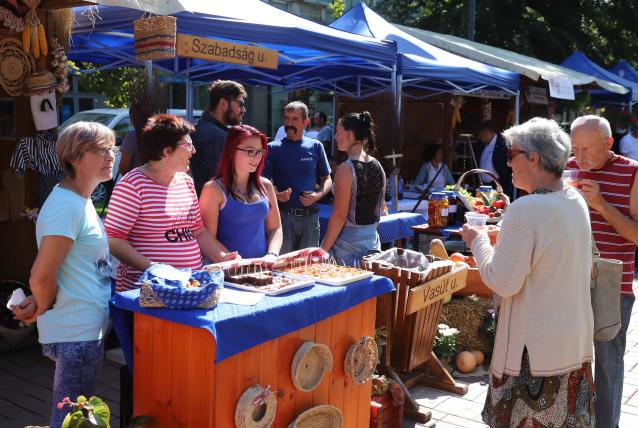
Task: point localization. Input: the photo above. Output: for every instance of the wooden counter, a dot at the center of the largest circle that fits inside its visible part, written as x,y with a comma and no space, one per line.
177,383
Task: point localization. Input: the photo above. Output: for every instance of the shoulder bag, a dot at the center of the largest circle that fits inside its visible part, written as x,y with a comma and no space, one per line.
606,276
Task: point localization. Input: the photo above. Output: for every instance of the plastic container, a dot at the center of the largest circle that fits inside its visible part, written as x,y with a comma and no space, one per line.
475,219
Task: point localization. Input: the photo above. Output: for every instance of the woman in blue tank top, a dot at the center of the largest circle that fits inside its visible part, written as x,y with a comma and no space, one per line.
359,189
239,206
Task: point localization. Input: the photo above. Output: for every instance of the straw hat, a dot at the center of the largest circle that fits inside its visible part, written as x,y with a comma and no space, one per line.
323,416
310,363
256,408
37,83
15,65
361,359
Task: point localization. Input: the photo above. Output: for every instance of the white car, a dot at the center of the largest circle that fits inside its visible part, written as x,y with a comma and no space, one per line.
118,120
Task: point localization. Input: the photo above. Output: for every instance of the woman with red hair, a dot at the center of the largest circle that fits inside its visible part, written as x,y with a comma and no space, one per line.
239,206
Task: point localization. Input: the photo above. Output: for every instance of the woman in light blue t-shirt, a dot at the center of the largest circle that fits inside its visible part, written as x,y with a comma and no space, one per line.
70,278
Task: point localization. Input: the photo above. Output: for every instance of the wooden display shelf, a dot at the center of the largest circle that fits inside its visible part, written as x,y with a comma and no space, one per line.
177,383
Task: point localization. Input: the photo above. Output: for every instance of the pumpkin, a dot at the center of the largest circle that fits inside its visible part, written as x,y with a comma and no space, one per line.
465,362
478,356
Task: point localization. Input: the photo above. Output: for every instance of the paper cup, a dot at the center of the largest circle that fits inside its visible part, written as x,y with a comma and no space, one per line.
475,219
571,177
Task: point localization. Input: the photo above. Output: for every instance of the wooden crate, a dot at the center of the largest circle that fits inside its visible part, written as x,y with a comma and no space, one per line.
383,412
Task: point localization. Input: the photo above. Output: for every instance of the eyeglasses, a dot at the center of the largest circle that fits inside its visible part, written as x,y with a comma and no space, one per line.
512,153
252,152
188,146
103,152
241,104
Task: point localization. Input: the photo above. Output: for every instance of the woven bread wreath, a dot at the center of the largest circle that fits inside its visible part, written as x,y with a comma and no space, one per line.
15,66
310,363
361,359
323,416
256,408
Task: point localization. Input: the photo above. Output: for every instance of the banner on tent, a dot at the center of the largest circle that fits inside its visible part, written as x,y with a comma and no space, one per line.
536,95
561,87
234,53
485,93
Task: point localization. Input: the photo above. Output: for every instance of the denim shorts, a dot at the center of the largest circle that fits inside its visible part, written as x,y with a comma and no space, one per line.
76,367
355,242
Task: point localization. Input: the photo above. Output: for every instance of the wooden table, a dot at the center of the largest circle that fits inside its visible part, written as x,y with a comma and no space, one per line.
177,383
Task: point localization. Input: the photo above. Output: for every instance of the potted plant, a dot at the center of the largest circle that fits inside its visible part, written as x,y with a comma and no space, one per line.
91,413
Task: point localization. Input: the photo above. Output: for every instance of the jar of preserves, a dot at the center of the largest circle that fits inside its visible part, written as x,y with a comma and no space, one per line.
444,209
437,210
452,208
486,190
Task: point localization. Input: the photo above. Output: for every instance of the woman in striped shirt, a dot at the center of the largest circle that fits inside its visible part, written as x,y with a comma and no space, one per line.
153,214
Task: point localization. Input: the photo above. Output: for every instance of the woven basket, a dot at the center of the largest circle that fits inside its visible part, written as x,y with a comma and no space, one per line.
15,66
499,191
155,38
150,299
323,416
256,408
361,360
310,363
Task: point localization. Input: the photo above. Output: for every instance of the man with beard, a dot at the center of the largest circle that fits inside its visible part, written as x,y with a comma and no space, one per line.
226,109
296,164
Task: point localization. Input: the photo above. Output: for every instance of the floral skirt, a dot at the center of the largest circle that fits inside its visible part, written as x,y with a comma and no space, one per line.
524,401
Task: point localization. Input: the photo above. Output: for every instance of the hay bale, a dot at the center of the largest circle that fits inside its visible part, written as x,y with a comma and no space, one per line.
467,315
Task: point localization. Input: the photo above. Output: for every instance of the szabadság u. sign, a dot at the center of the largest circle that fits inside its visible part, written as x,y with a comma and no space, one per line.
216,50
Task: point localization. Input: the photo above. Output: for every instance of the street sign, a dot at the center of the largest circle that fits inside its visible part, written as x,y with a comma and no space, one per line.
220,51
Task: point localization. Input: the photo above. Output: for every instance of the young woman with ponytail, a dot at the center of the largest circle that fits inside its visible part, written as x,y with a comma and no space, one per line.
359,189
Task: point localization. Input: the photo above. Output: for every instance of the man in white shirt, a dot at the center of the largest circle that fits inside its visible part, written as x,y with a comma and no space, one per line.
629,143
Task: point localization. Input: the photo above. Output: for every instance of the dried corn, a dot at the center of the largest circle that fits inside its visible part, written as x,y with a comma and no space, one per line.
44,49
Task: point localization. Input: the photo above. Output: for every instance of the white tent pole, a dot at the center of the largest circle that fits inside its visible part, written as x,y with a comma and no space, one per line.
149,74
333,148
517,108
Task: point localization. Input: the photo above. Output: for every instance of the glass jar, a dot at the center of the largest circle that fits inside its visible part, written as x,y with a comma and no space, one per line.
437,210
452,208
483,189
444,209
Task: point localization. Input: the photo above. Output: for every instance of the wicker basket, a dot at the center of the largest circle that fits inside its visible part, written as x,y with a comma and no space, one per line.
155,38
499,191
310,363
149,298
15,66
361,359
323,416
256,408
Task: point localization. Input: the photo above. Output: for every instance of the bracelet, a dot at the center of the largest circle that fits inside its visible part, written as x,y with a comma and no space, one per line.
272,254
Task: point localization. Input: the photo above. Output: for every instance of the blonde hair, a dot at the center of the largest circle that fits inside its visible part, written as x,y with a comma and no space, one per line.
79,138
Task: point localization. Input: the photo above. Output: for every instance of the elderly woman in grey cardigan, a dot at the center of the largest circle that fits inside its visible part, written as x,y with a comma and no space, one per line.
541,365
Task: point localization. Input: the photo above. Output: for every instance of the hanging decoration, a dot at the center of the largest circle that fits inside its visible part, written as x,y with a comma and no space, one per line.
10,20
34,38
457,102
486,111
40,87
58,63
15,65
155,38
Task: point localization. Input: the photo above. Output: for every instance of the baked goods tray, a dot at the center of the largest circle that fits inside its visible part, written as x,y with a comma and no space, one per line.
269,291
334,281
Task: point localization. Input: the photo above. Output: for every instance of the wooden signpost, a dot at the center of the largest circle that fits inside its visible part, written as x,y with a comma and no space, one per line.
220,51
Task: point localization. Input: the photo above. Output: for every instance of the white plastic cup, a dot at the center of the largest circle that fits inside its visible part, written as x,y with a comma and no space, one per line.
476,219
571,177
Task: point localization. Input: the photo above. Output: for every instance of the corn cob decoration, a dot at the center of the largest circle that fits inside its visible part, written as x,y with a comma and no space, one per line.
34,38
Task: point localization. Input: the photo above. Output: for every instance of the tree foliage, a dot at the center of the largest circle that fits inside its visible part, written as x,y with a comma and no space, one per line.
337,8
604,30
117,84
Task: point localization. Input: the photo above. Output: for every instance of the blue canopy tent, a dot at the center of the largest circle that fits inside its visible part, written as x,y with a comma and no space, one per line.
423,66
310,54
579,62
624,70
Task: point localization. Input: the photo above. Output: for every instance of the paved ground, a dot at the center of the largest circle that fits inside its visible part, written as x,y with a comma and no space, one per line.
26,378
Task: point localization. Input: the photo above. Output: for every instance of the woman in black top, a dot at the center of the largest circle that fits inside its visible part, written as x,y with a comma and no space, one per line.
359,189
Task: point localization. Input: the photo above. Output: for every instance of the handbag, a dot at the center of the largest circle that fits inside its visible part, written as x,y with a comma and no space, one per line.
606,276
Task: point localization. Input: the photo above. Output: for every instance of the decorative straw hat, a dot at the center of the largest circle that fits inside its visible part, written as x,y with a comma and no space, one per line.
311,362
39,82
361,359
15,65
323,416
256,408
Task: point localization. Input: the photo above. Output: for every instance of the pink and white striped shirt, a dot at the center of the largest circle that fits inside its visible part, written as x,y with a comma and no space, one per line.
158,221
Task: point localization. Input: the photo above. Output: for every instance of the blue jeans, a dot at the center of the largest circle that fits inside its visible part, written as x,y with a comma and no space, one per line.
76,368
299,232
609,370
355,242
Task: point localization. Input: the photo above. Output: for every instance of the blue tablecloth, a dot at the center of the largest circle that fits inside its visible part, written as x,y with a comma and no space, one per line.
394,226
237,328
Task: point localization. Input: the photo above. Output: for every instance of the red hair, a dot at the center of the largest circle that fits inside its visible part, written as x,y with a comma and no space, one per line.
226,170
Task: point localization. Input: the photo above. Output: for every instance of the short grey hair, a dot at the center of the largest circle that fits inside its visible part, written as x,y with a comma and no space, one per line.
545,137
78,139
595,121
298,106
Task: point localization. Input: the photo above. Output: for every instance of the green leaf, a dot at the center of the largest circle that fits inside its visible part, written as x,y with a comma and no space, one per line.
73,420
102,413
82,399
